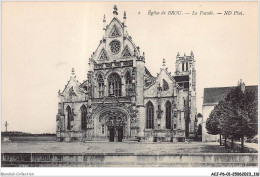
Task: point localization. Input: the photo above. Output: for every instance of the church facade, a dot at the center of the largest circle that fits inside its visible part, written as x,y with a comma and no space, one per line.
122,101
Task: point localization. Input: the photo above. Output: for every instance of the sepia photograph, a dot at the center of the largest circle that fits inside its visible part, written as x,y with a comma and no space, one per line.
129,84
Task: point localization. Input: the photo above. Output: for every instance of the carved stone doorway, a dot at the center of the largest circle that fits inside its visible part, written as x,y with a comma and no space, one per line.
116,125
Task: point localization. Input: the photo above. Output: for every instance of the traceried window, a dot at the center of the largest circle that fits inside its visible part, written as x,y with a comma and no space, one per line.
103,55
126,52
115,31
165,85
168,115
69,117
128,82
83,110
149,115
115,47
114,84
100,81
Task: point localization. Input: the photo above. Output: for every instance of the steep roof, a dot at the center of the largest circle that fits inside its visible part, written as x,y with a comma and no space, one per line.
147,72
216,94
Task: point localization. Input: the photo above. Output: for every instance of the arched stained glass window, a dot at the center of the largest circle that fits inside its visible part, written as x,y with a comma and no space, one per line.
165,85
168,115
149,115
115,31
69,117
103,55
114,82
100,81
128,82
83,111
126,52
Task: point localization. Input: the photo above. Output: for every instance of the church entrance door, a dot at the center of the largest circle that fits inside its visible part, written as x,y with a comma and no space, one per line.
116,123
111,134
120,134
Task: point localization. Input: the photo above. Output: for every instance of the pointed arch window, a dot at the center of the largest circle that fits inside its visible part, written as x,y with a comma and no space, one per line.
126,52
103,55
114,82
149,115
165,85
100,81
69,117
168,115
83,111
128,82
115,32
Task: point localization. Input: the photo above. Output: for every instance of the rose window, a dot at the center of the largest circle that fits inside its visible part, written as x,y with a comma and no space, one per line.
115,47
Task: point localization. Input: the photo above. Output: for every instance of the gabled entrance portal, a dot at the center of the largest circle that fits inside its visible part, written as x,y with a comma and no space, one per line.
114,125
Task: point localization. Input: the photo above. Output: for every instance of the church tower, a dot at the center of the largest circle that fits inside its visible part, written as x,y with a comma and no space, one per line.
185,76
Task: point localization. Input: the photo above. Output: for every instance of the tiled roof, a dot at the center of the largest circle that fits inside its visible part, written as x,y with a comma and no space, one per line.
216,94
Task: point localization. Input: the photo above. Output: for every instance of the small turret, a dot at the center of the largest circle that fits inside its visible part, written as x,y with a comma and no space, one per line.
163,65
124,18
115,11
191,54
177,56
104,25
73,73
104,19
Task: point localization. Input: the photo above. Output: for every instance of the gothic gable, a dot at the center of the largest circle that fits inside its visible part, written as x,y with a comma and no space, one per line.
72,91
114,29
163,82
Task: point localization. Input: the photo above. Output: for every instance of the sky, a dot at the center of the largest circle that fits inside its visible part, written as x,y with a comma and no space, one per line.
42,41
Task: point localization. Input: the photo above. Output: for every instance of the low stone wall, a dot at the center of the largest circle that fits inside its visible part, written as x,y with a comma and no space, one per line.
129,160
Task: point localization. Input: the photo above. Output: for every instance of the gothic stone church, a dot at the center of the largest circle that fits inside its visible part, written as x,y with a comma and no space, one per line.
122,101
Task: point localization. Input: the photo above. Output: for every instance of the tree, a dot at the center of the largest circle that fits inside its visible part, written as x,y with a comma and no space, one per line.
226,121
243,119
235,117
216,123
212,123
